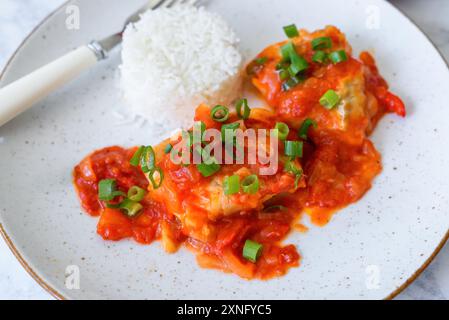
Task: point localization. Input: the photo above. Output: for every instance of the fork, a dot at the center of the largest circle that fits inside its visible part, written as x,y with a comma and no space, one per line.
20,95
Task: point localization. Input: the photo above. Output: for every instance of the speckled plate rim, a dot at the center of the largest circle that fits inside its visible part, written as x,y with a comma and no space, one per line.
59,296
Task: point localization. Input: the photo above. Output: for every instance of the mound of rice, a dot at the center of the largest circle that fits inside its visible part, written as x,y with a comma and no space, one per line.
175,59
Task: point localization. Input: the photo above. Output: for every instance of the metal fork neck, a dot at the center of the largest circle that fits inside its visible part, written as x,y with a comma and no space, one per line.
103,47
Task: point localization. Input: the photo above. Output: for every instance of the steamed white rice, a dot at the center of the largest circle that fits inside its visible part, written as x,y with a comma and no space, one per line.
175,59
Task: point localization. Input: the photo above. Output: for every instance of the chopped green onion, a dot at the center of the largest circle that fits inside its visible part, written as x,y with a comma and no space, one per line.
281,66
330,99
293,149
130,208
113,206
282,130
252,250
231,185
291,31
251,184
243,103
320,57
208,170
305,128
291,72
290,167
168,148
135,160
107,190
275,208
298,65
297,179
220,114
148,159
321,43
231,126
151,176
136,194
287,50
261,61
338,56
291,83
284,74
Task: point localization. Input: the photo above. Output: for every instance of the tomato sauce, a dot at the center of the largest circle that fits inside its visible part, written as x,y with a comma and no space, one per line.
222,253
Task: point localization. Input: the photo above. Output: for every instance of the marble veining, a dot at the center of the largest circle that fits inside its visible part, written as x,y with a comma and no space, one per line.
18,18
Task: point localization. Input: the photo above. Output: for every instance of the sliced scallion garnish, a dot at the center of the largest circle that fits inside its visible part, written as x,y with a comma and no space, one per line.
320,57
282,130
284,75
250,184
321,43
107,190
168,148
291,83
330,99
291,31
338,56
298,65
231,185
245,113
287,50
130,208
293,149
220,113
148,159
135,160
305,128
281,66
156,176
208,169
136,194
252,250
290,167
261,61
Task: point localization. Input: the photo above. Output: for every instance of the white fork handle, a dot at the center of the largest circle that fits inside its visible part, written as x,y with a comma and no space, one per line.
20,95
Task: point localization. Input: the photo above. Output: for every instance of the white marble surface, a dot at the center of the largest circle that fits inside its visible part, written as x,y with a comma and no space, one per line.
17,19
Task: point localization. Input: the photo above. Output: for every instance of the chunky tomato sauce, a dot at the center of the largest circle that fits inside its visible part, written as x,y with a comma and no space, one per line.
339,165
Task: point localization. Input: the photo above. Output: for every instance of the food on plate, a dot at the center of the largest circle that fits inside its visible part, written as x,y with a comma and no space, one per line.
355,96
174,59
345,97
235,215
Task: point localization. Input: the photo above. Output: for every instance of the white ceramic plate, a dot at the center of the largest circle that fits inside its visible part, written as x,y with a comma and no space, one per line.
369,250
